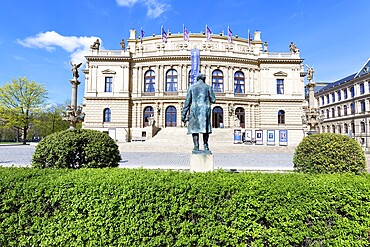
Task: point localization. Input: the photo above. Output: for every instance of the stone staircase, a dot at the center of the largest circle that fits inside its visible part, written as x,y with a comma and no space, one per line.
175,140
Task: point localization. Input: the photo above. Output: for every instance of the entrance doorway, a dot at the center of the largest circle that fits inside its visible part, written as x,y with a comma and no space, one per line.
240,114
171,116
217,117
148,112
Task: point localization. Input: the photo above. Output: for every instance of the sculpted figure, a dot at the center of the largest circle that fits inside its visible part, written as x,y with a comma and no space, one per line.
310,71
293,48
197,110
75,69
122,44
96,45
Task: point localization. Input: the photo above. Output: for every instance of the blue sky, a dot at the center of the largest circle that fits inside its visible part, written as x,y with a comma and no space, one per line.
38,38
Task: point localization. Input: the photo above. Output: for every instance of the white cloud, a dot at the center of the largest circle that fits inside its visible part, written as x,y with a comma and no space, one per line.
77,46
154,7
126,3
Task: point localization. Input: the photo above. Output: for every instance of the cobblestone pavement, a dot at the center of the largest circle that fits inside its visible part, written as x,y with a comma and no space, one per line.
20,155
256,159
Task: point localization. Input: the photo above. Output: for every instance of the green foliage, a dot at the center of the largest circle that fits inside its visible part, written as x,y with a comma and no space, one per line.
81,148
49,121
329,153
20,102
121,207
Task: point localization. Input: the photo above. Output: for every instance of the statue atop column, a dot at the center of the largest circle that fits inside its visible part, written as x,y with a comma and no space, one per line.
75,69
122,43
310,71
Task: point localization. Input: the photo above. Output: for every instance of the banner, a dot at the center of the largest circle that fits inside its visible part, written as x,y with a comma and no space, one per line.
194,63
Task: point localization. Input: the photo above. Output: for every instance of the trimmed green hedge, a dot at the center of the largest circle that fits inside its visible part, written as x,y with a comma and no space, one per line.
120,207
79,148
329,153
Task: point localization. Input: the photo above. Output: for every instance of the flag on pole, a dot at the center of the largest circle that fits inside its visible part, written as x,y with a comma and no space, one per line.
141,35
249,38
186,34
230,35
208,33
164,36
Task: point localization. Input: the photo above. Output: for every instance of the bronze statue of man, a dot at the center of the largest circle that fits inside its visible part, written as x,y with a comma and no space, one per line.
197,110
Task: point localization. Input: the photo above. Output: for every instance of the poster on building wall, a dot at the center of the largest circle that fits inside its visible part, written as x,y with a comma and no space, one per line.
237,136
248,136
271,137
283,137
259,137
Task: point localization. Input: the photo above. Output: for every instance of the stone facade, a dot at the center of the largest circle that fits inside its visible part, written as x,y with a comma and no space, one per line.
265,90
344,106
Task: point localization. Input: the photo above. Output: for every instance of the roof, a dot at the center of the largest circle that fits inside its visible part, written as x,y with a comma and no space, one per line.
337,83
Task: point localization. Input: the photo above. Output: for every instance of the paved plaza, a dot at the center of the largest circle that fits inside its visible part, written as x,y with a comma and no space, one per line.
239,157
139,154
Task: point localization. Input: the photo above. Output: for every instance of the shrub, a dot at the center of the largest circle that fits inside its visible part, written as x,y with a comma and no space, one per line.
329,153
76,149
122,207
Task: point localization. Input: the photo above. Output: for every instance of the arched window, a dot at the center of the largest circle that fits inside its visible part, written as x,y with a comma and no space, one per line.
332,112
363,127
171,80
149,81
171,115
327,113
353,108
338,111
353,128
323,129
107,115
148,112
333,128
345,112
340,129
281,117
239,82
345,127
217,81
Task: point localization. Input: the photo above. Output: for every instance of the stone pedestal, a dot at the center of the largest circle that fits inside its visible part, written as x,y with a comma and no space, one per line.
201,162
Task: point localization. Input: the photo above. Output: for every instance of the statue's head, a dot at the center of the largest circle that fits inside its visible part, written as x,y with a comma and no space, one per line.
201,77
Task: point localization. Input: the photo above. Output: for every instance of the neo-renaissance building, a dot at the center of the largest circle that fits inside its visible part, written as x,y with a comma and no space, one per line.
144,83
344,106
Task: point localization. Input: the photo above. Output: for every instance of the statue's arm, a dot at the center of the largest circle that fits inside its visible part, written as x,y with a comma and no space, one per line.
212,96
186,107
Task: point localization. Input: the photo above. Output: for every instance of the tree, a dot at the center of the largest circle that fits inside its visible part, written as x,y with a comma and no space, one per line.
20,102
49,121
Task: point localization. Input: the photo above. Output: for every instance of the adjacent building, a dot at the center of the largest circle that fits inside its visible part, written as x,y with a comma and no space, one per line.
144,84
344,106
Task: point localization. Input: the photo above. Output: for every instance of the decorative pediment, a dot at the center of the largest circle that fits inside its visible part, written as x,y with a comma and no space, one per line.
108,71
281,73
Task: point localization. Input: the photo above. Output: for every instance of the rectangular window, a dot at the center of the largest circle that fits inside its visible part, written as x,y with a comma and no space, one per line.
362,88
322,100
108,84
363,106
352,92
339,95
327,99
345,93
333,97
280,86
